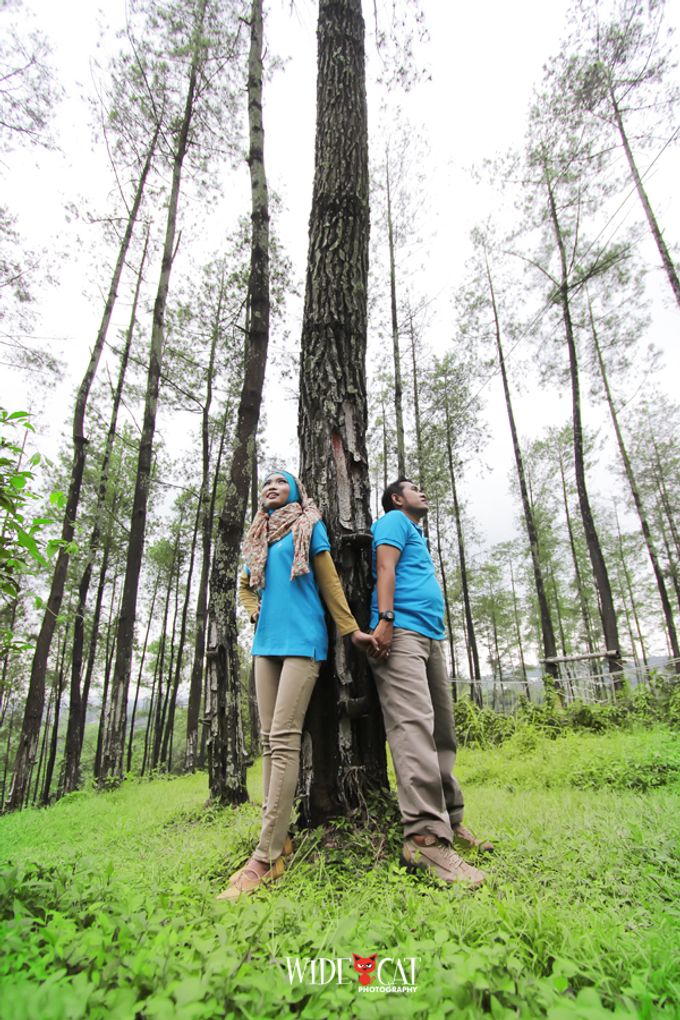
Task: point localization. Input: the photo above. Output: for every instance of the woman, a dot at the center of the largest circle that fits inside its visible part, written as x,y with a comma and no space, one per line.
288,571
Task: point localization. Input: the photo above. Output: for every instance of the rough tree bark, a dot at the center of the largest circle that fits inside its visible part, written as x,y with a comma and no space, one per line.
344,740
225,745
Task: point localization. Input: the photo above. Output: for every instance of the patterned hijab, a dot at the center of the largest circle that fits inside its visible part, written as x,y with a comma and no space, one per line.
298,515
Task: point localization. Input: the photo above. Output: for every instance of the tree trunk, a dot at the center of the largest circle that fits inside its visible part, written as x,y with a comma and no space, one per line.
108,659
169,727
637,499
609,625
445,588
666,259
580,587
475,673
547,632
225,745
344,741
518,632
398,392
59,690
70,772
114,741
28,740
629,588
141,672
207,506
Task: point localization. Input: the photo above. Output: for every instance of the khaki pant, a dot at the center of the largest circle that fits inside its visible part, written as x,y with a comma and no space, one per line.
284,687
415,695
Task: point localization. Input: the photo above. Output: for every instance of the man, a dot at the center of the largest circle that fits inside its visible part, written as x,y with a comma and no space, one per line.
407,618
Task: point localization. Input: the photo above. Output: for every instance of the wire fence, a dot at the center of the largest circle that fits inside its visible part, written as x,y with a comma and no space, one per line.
578,681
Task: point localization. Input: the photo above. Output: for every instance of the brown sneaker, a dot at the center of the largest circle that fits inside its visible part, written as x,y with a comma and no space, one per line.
247,880
427,853
467,840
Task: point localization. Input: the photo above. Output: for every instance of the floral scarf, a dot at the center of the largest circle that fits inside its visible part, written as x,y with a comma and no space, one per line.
266,529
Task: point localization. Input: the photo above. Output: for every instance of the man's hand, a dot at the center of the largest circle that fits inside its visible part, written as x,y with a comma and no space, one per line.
366,642
383,637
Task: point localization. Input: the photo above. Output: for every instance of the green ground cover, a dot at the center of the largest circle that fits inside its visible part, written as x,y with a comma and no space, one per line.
107,902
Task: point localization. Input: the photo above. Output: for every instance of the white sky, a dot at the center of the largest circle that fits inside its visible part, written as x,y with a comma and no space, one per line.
484,59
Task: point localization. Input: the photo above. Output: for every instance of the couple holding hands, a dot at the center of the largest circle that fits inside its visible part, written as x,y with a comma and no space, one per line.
288,577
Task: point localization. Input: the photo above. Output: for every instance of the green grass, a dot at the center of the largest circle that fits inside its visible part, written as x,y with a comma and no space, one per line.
107,904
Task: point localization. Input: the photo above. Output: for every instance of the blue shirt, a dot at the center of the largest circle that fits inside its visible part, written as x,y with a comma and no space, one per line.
418,600
291,620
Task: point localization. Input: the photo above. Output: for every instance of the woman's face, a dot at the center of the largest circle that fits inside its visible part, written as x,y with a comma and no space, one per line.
275,492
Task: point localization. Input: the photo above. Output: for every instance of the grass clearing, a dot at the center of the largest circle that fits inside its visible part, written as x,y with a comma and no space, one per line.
108,910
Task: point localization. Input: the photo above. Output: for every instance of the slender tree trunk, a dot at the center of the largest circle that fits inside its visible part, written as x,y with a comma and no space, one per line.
70,772
629,588
109,649
580,587
36,691
611,634
518,632
666,259
416,403
547,632
8,751
447,606
398,391
114,738
207,507
150,716
225,745
141,672
475,673
344,739
96,617
671,517
637,499
156,725
169,728
59,690
43,746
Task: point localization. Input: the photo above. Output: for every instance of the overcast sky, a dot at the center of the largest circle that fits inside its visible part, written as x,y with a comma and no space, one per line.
483,59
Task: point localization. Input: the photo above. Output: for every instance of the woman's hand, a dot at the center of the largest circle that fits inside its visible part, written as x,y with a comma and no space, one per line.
366,642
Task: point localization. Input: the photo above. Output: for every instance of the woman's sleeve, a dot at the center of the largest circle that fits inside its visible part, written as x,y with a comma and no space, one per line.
247,597
332,593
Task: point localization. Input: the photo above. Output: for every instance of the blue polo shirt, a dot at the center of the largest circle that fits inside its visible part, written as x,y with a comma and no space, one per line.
291,620
418,600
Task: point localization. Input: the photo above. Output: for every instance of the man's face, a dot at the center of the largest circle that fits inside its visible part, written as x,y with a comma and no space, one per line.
412,500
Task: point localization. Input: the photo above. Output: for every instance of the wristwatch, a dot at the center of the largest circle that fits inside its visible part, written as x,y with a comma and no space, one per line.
387,615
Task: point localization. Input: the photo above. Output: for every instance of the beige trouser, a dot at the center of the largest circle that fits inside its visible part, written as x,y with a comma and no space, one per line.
284,687
415,695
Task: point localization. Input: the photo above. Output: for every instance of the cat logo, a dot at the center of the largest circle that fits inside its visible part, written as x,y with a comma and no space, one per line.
364,966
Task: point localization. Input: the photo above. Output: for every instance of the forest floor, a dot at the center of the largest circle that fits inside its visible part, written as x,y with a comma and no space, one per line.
107,901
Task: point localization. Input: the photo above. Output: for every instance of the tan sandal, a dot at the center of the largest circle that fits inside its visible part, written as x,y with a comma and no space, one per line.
247,880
